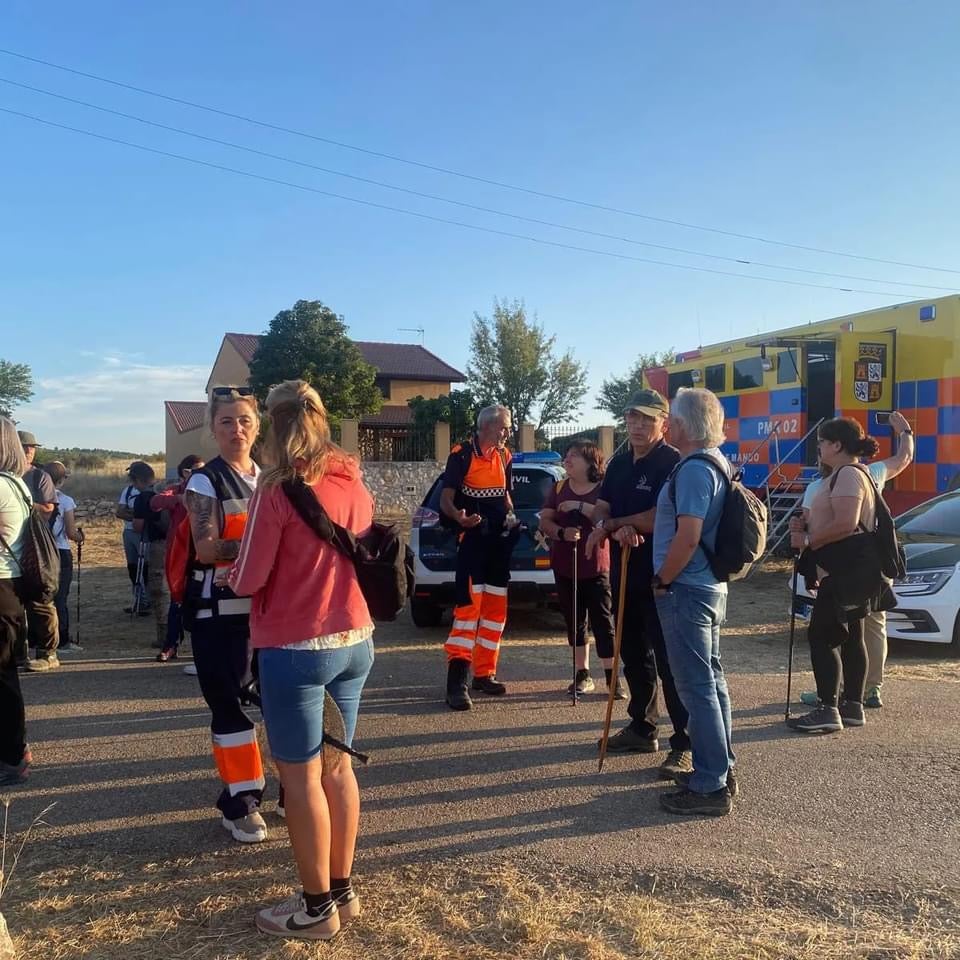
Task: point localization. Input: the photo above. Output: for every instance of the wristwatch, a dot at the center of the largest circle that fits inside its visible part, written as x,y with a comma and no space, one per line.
599,524
657,584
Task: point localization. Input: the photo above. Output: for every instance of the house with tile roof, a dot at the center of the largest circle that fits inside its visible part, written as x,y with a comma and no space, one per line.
404,371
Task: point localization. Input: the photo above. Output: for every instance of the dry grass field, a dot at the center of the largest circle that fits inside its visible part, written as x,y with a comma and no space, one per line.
70,903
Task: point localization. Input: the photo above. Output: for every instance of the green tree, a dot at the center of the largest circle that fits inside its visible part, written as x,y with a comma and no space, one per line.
310,342
512,362
616,391
16,385
459,408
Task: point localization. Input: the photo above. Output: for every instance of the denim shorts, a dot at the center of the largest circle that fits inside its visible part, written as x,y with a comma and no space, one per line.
292,686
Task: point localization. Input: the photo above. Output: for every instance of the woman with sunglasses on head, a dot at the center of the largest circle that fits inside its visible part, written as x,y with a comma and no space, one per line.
217,499
171,501
314,636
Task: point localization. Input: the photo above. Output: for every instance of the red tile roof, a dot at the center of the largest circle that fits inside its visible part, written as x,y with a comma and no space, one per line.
398,361
185,414
388,416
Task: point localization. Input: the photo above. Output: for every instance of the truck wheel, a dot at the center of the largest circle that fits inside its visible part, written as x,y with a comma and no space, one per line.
425,613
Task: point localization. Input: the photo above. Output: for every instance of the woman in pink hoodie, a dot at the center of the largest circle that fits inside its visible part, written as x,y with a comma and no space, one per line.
314,634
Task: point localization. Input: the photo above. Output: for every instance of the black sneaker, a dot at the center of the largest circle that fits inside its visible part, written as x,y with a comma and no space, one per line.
690,804
13,773
489,685
629,741
851,713
682,779
584,683
821,720
678,762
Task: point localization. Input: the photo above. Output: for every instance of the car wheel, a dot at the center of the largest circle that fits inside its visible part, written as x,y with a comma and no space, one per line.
425,613
955,646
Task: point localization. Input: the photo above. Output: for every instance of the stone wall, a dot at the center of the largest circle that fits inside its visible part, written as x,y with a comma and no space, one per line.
95,509
399,487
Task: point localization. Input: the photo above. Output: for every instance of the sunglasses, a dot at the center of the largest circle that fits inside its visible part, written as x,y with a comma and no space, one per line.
232,391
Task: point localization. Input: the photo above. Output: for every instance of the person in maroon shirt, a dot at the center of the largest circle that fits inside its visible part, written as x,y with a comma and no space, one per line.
567,518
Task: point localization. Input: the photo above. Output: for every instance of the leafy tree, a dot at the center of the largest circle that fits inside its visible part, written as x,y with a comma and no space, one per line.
16,385
512,362
459,408
310,343
616,391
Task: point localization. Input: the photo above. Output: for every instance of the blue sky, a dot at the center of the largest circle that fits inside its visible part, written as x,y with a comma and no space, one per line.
825,124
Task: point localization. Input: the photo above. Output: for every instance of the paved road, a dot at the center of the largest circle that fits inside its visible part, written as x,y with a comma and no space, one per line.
122,746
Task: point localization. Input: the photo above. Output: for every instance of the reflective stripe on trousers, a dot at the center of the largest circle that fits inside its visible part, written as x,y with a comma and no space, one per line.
477,628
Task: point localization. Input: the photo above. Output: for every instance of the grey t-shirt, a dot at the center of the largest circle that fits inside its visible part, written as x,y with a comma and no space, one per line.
41,487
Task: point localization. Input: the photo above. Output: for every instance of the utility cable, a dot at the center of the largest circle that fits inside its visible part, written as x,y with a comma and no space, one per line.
435,219
460,203
468,176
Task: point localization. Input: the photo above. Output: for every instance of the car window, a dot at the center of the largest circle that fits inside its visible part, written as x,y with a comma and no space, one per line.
530,488
940,517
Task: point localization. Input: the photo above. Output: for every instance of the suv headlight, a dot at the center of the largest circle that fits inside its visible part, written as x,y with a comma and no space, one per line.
921,584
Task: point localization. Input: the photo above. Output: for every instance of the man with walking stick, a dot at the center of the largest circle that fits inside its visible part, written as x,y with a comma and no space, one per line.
625,512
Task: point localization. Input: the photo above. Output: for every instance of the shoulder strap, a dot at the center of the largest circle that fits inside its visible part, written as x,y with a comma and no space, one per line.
310,510
873,488
697,456
26,503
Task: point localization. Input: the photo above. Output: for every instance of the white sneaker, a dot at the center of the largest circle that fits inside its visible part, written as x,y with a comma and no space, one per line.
249,829
190,669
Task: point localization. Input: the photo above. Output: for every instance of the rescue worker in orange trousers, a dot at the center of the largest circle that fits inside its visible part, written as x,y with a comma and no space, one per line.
476,499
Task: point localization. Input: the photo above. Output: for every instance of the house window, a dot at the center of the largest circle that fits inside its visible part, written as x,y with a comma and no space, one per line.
677,380
716,377
383,385
747,373
787,367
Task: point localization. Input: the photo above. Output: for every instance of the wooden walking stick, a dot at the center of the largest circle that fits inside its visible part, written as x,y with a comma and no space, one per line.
617,637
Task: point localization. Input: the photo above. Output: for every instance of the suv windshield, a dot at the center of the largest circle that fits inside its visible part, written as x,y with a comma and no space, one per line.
530,488
939,518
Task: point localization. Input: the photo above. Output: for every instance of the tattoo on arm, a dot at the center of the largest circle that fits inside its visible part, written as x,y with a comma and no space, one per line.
201,511
226,549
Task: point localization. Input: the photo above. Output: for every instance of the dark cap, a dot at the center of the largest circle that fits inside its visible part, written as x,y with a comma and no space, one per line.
138,470
649,402
27,439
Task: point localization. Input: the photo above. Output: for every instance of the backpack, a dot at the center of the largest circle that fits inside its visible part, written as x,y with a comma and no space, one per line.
177,559
39,559
381,557
893,561
741,530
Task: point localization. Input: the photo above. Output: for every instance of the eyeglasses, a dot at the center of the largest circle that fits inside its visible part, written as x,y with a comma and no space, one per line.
232,391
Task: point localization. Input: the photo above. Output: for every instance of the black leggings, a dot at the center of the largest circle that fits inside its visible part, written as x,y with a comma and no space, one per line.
836,650
593,597
12,719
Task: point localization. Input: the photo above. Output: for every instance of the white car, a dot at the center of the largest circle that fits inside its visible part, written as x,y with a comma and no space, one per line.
928,597
434,543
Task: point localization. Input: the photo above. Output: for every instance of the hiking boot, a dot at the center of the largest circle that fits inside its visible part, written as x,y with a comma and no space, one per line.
629,741
14,773
687,803
851,713
457,673
583,683
872,699
678,762
809,698
822,720
488,685
249,829
682,779
290,919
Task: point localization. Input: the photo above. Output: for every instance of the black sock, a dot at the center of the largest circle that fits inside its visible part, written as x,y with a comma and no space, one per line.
608,673
339,886
317,903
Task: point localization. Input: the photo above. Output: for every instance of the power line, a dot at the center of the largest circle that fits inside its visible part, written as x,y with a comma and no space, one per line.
460,203
468,176
431,217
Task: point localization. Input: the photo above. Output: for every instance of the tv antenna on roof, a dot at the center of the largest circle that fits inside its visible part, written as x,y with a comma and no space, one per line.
419,330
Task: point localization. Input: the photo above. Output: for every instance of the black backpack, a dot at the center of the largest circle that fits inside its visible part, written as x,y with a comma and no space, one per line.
742,529
383,561
40,557
893,561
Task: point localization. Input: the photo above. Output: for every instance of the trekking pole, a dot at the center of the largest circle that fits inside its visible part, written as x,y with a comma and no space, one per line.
793,630
617,637
79,569
575,621
138,582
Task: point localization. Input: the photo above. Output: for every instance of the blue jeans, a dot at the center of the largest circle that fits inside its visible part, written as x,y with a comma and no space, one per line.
292,687
691,618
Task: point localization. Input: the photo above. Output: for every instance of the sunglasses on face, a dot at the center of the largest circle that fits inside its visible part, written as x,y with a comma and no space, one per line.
232,391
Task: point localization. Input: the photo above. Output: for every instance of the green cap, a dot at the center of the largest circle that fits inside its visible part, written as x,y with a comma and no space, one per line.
27,439
649,402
